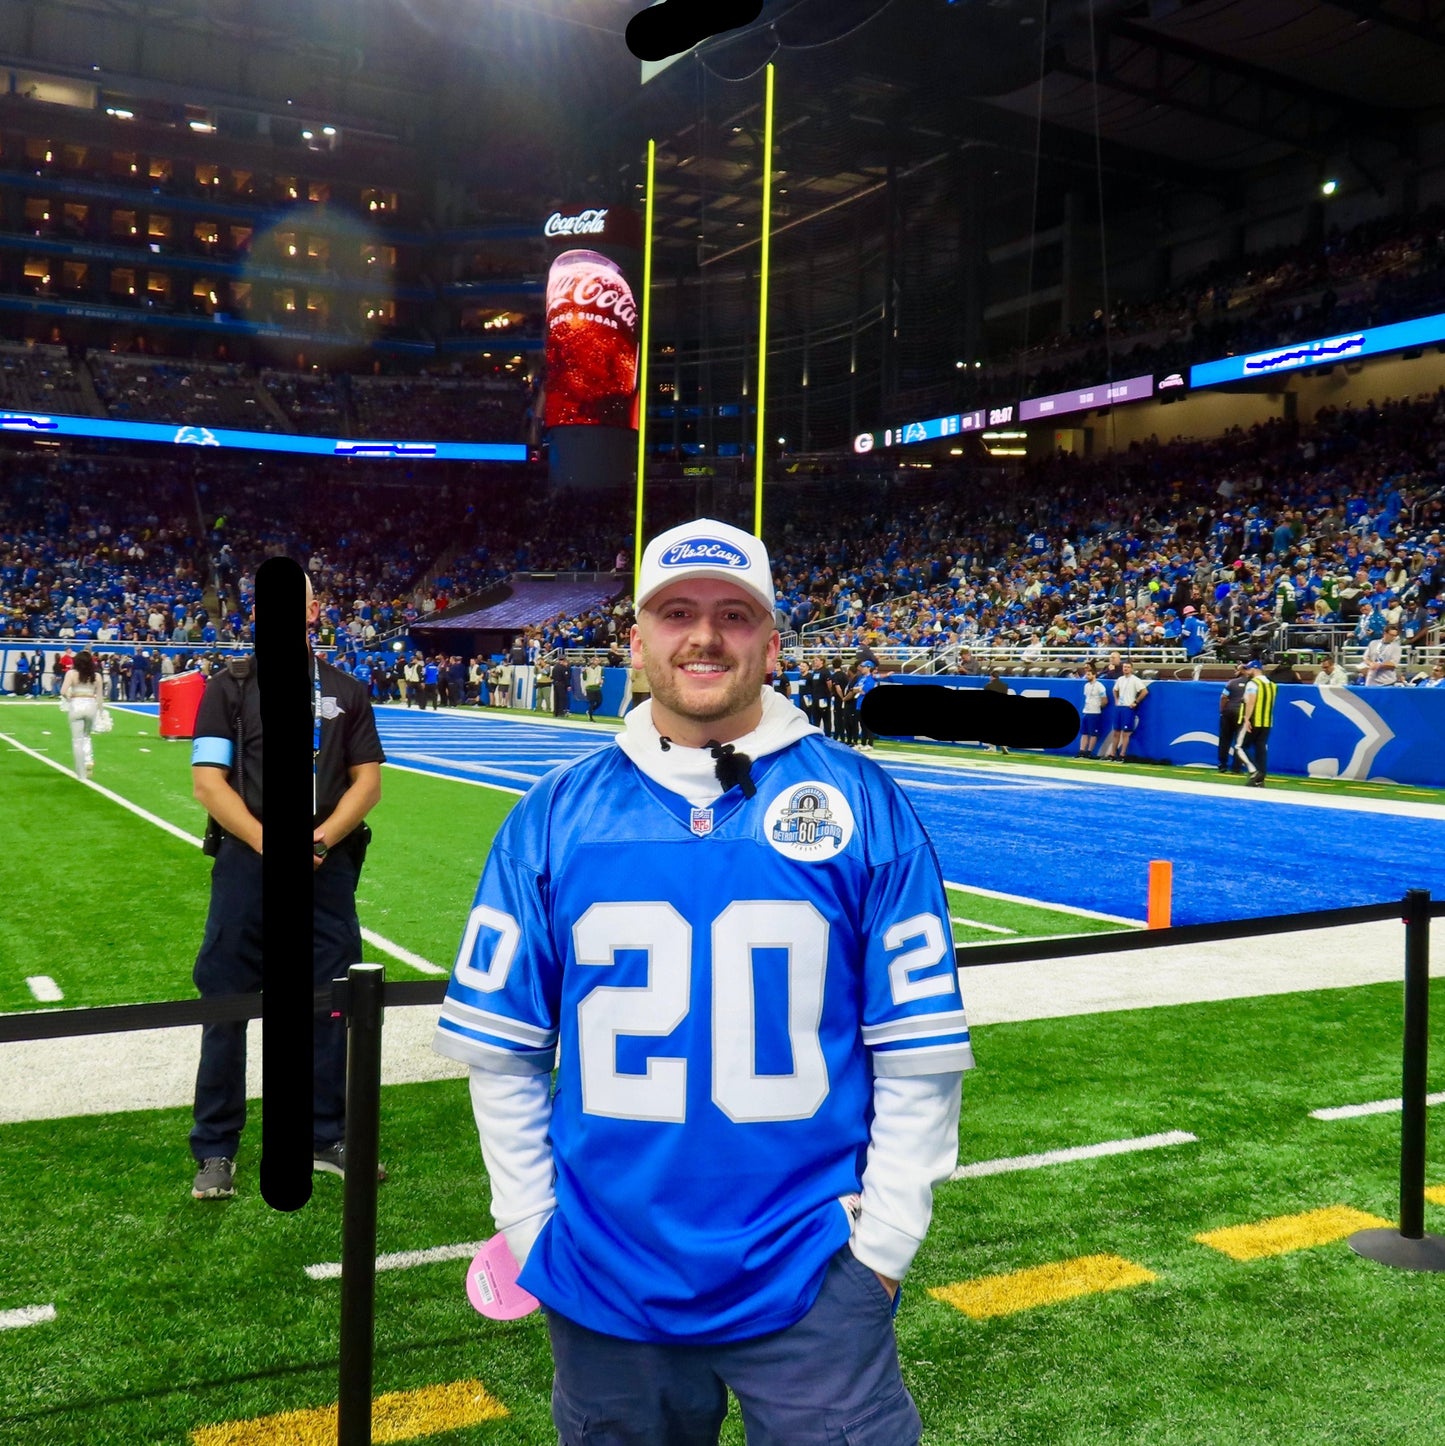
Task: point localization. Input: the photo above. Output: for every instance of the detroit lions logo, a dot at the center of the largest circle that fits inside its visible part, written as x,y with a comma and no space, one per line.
809,822
196,437
1374,734
1336,729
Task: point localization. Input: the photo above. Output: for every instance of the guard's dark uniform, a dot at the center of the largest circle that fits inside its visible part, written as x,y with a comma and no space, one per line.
229,961
1231,706
817,690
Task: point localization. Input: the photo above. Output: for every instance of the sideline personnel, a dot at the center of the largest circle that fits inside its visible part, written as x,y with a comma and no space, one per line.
226,771
737,932
1257,721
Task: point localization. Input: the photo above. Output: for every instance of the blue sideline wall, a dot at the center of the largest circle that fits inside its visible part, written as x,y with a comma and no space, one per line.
1388,735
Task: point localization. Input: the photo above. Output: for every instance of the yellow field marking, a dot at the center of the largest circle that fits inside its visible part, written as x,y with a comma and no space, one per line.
992,1295
1288,1232
397,1416
1435,1194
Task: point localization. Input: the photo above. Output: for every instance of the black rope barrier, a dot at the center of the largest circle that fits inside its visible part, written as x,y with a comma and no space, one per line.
364,996
970,956
179,1013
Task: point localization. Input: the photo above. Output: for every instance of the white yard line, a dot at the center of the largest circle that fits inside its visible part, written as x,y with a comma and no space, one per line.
406,1259
1040,904
378,941
1375,1107
545,720
45,989
1011,1163
423,966
1399,808
125,803
438,761
402,1259
447,778
26,1315
979,924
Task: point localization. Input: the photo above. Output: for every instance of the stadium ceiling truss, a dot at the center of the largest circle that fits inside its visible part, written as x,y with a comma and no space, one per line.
1415,19
1145,98
1148,97
1167,71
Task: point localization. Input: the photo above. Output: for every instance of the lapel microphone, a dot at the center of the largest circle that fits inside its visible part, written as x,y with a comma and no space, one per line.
732,767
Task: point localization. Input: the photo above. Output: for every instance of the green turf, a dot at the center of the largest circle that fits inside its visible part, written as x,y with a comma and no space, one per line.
172,1313
114,917
114,911
1026,921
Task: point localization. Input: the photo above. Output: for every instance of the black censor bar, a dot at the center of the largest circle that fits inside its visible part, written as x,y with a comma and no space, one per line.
283,677
969,715
678,25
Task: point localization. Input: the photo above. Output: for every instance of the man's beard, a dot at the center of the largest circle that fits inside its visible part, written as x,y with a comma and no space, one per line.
742,689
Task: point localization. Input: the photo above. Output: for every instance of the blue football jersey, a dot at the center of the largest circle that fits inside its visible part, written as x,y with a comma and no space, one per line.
719,987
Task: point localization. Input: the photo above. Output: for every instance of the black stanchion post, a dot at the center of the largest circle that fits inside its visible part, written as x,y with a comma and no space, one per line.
1410,1247
364,985
1417,1050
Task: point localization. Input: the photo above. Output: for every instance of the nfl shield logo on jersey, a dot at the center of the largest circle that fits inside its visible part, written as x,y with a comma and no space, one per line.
702,821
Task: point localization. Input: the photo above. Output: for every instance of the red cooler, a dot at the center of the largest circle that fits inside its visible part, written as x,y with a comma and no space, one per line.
180,702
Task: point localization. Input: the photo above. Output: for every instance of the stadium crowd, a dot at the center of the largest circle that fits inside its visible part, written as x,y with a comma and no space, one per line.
1335,526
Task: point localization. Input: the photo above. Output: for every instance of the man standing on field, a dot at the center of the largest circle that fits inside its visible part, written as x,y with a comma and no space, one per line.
732,937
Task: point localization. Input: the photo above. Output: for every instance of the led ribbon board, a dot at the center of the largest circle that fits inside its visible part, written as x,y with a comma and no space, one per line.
1345,346
1106,394
953,425
37,424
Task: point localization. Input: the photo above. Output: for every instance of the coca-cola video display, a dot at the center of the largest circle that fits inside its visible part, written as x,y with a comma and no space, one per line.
592,343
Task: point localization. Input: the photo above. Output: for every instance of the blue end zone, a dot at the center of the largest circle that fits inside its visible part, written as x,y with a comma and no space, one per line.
1067,839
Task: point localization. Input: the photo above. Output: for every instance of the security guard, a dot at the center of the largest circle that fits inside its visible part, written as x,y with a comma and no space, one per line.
1259,696
226,764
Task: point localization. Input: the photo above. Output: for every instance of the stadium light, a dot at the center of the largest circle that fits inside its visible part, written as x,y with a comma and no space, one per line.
1329,187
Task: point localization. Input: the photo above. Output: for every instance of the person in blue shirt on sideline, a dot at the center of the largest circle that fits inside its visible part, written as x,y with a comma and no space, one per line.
731,935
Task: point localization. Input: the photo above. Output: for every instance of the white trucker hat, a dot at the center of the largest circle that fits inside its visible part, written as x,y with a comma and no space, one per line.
706,548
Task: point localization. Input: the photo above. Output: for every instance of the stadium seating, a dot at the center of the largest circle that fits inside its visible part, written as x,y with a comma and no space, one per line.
207,396
40,378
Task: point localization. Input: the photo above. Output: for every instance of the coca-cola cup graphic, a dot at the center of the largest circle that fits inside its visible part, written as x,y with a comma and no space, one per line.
591,343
